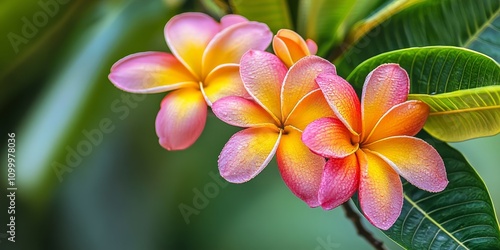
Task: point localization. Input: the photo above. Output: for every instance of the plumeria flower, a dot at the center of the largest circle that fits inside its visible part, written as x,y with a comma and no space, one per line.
371,143
284,102
291,47
202,68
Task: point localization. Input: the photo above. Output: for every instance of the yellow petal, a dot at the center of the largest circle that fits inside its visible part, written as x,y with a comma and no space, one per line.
414,159
150,72
188,35
384,87
300,168
223,81
406,118
181,118
231,43
313,106
300,80
262,74
289,46
247,153
380,190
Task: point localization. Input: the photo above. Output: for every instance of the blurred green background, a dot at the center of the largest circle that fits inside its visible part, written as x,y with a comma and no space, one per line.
125,190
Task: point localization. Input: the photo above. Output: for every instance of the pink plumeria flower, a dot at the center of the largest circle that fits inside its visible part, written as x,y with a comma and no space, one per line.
284,102
202,68
291,47
371,143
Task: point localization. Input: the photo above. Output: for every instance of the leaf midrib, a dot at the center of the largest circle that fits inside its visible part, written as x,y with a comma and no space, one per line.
480,30
433,221
454,111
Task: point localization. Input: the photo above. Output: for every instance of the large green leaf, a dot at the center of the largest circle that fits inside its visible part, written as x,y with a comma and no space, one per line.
466,23
327,22
460,217
470,111
274,13
435,69
463,114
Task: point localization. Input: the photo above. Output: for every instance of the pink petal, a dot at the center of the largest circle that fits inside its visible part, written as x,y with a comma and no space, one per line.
342,99
380,190
262,74
188,35
414,159
406,118
340,181
300,168
150,72
312,46
328,137
300,81
247,153
230,44
225,80
384,87
231,19
242,112
181,119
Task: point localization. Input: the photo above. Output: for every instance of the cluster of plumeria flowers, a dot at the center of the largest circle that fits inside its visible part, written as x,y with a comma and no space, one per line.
291,104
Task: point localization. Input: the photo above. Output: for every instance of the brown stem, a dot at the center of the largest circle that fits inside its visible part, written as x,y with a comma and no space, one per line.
362,231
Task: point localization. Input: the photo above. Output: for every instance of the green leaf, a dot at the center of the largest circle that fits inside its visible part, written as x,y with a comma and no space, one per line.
327,22
463,114
466,112
460,217
435,69
275,13
466,23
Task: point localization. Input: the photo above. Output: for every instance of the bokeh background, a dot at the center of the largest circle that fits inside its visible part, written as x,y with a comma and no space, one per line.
125,191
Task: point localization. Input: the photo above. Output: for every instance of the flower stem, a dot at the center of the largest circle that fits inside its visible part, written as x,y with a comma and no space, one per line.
362,231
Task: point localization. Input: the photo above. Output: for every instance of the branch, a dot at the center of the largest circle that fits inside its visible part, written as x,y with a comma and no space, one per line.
362,231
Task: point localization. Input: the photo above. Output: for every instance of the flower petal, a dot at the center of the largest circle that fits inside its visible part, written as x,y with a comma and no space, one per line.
230,44
150,72
231,19
312,107
223,81
339,182
380,190
406,118
414,159
247,153
262,74
289,46
281,50
300,81
384,87
300,168
241,112
312,46
329,137
181,118
188,35
342,99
